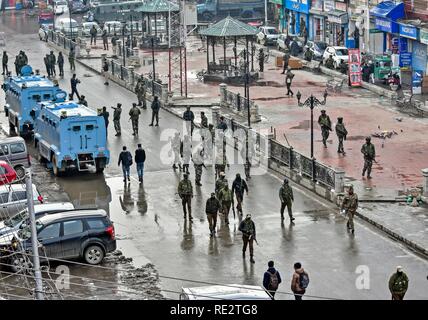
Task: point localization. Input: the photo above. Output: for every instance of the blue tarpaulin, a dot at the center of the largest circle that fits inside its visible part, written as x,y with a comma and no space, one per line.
388,9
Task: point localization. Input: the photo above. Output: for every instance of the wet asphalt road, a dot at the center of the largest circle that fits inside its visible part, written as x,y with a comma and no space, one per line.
150,226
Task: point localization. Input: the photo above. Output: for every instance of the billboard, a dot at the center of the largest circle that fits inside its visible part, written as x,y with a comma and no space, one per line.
354,67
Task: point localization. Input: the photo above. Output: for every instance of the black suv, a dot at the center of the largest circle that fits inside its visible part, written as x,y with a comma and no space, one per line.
86,234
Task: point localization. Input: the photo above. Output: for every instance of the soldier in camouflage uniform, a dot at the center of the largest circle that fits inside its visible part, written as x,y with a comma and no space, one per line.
350,205
186,152
204,120
341,133
134,114
185,191
325,123
220,184
248,229
226,199
116,118
140,90
198,163
368,150
287,198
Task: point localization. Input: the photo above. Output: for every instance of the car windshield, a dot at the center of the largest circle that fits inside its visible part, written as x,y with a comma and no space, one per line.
342,52
61,3
385,63
321,45
16,219
271,31
73,24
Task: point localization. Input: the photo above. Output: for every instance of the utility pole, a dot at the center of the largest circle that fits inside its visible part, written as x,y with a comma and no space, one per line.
34,242
266,15
367,34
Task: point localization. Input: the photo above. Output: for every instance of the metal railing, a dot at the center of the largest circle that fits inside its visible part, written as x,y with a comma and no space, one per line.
236,101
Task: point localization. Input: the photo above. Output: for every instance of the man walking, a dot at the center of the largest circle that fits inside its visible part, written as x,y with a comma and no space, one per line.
61,64
140,158
369,152
71,57
248,229
155,111
140,90
239,186
106,115
299,281
4,61
325,123
226,199
186,152
114,40
46,60
222,125
341,133
285,59
52,62
125,158
189,117
271,279
104,36
74,81
350,205
198,163
185,191
93,33
134,115
398,284
175,147
212,207
220,184
204,120
288,80
105,72
287,198
261,58
116,118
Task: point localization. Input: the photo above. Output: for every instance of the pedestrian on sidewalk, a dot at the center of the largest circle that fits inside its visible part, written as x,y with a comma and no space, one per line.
186,152
46,60
105,72
104,36
52,62
175,148
114,40
226,199
93,33
369,152
106,115
189,117
271,279
239,186
125,158
4,61
155,111
325,124
285,59
261,58
185,191
341,133
140,158
134,115
287,198
116,118
198,163
398,284
71,57
212,208
82,100
140,90
248,229
288,80
61,64
204,120
299,281
350,206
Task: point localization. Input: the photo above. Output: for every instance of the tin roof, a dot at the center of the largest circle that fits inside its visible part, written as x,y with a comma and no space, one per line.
158,6
72,109
229,27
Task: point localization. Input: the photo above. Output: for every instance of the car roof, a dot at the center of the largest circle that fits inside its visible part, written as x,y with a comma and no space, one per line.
79,213
11,139
14,187
338,47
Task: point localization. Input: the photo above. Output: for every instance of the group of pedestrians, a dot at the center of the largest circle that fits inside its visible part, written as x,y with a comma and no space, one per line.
126,161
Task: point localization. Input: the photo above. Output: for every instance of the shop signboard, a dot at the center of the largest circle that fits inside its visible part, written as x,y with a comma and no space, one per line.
383,25
408,31
298,5
417,81
328,5
423,36
354,66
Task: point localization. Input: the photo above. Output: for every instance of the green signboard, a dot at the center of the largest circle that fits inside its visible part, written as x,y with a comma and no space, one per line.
374,30
423,34
276,2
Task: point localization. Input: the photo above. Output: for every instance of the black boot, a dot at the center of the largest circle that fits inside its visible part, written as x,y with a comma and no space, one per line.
251,259
243,254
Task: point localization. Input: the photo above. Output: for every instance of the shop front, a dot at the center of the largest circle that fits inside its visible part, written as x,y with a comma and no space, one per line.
317,21
338,28
408,37
297,16
276,12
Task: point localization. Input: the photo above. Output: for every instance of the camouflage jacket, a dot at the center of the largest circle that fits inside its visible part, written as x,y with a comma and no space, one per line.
134,113
286,193
341,130
116,114
219,184
324,121
185,188
369,151
248,227
350,202
225,195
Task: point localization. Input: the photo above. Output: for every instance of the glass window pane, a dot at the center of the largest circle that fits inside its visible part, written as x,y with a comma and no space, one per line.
51,231
17,148
73,227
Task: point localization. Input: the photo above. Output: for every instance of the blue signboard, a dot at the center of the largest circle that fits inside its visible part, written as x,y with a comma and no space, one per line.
419,56
384,25
408,31
417,81
405,59
403,47
298,5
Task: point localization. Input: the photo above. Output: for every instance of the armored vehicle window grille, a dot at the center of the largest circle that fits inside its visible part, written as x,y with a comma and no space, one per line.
17,148
76,128
90,127
46,96
36,97
4,197
4,150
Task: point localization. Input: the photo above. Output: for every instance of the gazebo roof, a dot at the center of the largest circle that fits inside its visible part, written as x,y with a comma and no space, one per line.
158,6
229,27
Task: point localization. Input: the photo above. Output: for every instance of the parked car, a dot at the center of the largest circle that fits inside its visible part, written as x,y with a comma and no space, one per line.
281,42
87,26
14,151
317,48
60,7
43,31
256,24
78,7
112,27
67,26
338,53
21,219
13,199
267,35
7,174
86,234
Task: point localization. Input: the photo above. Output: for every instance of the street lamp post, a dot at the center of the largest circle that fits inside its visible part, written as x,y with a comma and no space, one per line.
312,102
69,14
153,64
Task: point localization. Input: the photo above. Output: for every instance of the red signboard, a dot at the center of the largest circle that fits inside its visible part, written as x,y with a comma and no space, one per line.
354,67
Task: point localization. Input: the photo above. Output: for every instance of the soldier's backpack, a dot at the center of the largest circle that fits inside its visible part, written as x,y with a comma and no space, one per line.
273,282
303,280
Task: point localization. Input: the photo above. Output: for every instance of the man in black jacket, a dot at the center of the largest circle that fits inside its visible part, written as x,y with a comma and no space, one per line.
125,158
189,117
271,279
211,209
140,158
155,111
239,186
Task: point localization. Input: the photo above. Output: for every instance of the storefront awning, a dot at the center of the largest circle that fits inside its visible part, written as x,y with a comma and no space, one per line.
318,12
388,9
337,16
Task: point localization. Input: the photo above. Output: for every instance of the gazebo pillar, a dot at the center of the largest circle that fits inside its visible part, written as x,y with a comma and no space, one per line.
236,51
213,45
156,26
224,55
208,54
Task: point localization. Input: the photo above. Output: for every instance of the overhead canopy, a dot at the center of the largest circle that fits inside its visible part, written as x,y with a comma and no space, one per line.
337,16
229,27
388,9
158,6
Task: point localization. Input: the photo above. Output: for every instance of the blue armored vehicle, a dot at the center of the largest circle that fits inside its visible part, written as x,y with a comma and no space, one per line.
71,136
23,93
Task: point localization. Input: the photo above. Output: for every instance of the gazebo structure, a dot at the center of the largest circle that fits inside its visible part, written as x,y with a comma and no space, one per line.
223,71
163,9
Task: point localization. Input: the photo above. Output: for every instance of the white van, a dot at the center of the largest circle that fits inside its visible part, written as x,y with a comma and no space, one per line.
67,26
226,292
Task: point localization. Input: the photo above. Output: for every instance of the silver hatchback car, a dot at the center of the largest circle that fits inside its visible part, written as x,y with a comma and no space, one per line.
13,199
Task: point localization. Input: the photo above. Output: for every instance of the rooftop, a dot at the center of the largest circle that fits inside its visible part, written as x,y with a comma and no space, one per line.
32,81
229,27
72,109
